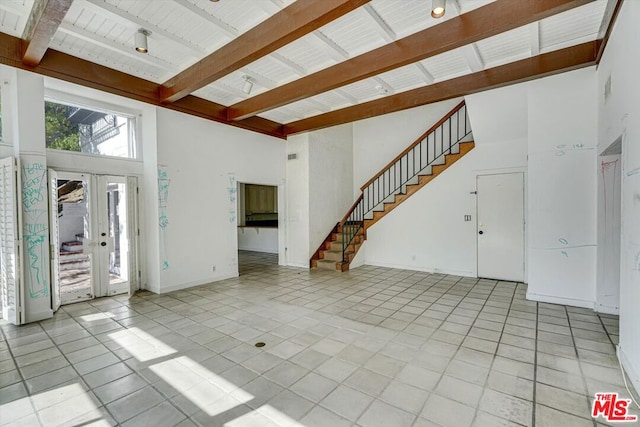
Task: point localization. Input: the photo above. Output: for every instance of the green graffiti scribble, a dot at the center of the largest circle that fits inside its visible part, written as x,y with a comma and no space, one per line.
163,218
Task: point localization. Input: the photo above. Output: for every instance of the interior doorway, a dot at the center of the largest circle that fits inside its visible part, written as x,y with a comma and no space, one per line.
609,228
501,226
93,220
257,226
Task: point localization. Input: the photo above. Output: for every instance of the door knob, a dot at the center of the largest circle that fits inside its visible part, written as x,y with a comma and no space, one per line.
480,232
103,243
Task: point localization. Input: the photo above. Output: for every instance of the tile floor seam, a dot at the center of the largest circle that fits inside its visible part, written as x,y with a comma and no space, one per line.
515,290
582,375
460,345
80,377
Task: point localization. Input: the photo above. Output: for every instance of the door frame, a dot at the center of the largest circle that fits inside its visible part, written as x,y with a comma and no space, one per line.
525,206
132,228
94,181
90,240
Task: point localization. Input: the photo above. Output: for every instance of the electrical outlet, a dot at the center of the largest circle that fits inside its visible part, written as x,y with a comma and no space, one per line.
467,217
213,268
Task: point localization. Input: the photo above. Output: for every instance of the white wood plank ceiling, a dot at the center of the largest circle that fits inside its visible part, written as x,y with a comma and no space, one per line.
185,31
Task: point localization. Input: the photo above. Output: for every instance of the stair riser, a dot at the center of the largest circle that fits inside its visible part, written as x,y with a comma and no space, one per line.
326,266
332,256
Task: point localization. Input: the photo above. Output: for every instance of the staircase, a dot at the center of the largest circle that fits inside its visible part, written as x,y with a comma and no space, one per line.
72,256
432,153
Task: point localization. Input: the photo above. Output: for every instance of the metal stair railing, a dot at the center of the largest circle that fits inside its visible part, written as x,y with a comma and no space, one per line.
431,147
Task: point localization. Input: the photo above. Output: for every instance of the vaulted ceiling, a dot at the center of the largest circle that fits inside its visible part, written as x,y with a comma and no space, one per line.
310,63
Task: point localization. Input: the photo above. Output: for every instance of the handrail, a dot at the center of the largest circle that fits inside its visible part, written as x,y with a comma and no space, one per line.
351,209
351,225
415,143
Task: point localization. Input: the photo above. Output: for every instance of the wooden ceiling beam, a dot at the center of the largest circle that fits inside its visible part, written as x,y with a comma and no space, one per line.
293,22
43,22
492,19
555,62
79,71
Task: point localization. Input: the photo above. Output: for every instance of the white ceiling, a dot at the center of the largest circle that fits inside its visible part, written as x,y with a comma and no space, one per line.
185,31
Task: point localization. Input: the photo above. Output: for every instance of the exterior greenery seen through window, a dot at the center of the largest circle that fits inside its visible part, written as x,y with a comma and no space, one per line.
60,132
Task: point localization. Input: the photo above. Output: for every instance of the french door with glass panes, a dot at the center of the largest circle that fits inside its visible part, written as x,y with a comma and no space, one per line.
94,235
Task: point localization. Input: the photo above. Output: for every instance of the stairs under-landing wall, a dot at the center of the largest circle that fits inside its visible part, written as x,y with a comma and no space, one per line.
432,153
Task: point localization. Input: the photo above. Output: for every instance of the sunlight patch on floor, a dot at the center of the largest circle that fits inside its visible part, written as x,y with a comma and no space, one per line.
141,345
203,388
68,405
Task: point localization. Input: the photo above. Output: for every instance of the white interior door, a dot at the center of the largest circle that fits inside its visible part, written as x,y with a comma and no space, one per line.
54,240
10,283
501,226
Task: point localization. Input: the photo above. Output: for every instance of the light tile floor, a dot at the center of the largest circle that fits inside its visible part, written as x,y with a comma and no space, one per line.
371,347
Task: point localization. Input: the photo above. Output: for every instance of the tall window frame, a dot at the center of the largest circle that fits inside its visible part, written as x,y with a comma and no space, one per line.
110,112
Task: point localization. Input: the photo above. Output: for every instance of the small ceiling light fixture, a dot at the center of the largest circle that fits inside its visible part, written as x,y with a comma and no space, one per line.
141,40
438,8
248,84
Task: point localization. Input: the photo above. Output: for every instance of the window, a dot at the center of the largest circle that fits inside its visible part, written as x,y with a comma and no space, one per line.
84,130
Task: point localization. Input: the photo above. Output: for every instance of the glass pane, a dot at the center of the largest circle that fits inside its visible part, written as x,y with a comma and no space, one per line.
118,235
84,130
74,237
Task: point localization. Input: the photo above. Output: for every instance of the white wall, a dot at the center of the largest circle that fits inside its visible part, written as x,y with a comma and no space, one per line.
330,180
319,188
203,161
71,223
297,202
562,188
619,115
258,239
428,232
23,94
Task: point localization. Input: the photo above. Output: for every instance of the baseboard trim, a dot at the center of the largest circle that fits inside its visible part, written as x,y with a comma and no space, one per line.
40,315
424,269
188,285
261,250
631,371
295,264
552,299
606,309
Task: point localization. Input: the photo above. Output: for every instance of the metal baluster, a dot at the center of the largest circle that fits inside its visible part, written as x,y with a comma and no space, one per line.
465,120
449,134
383,182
